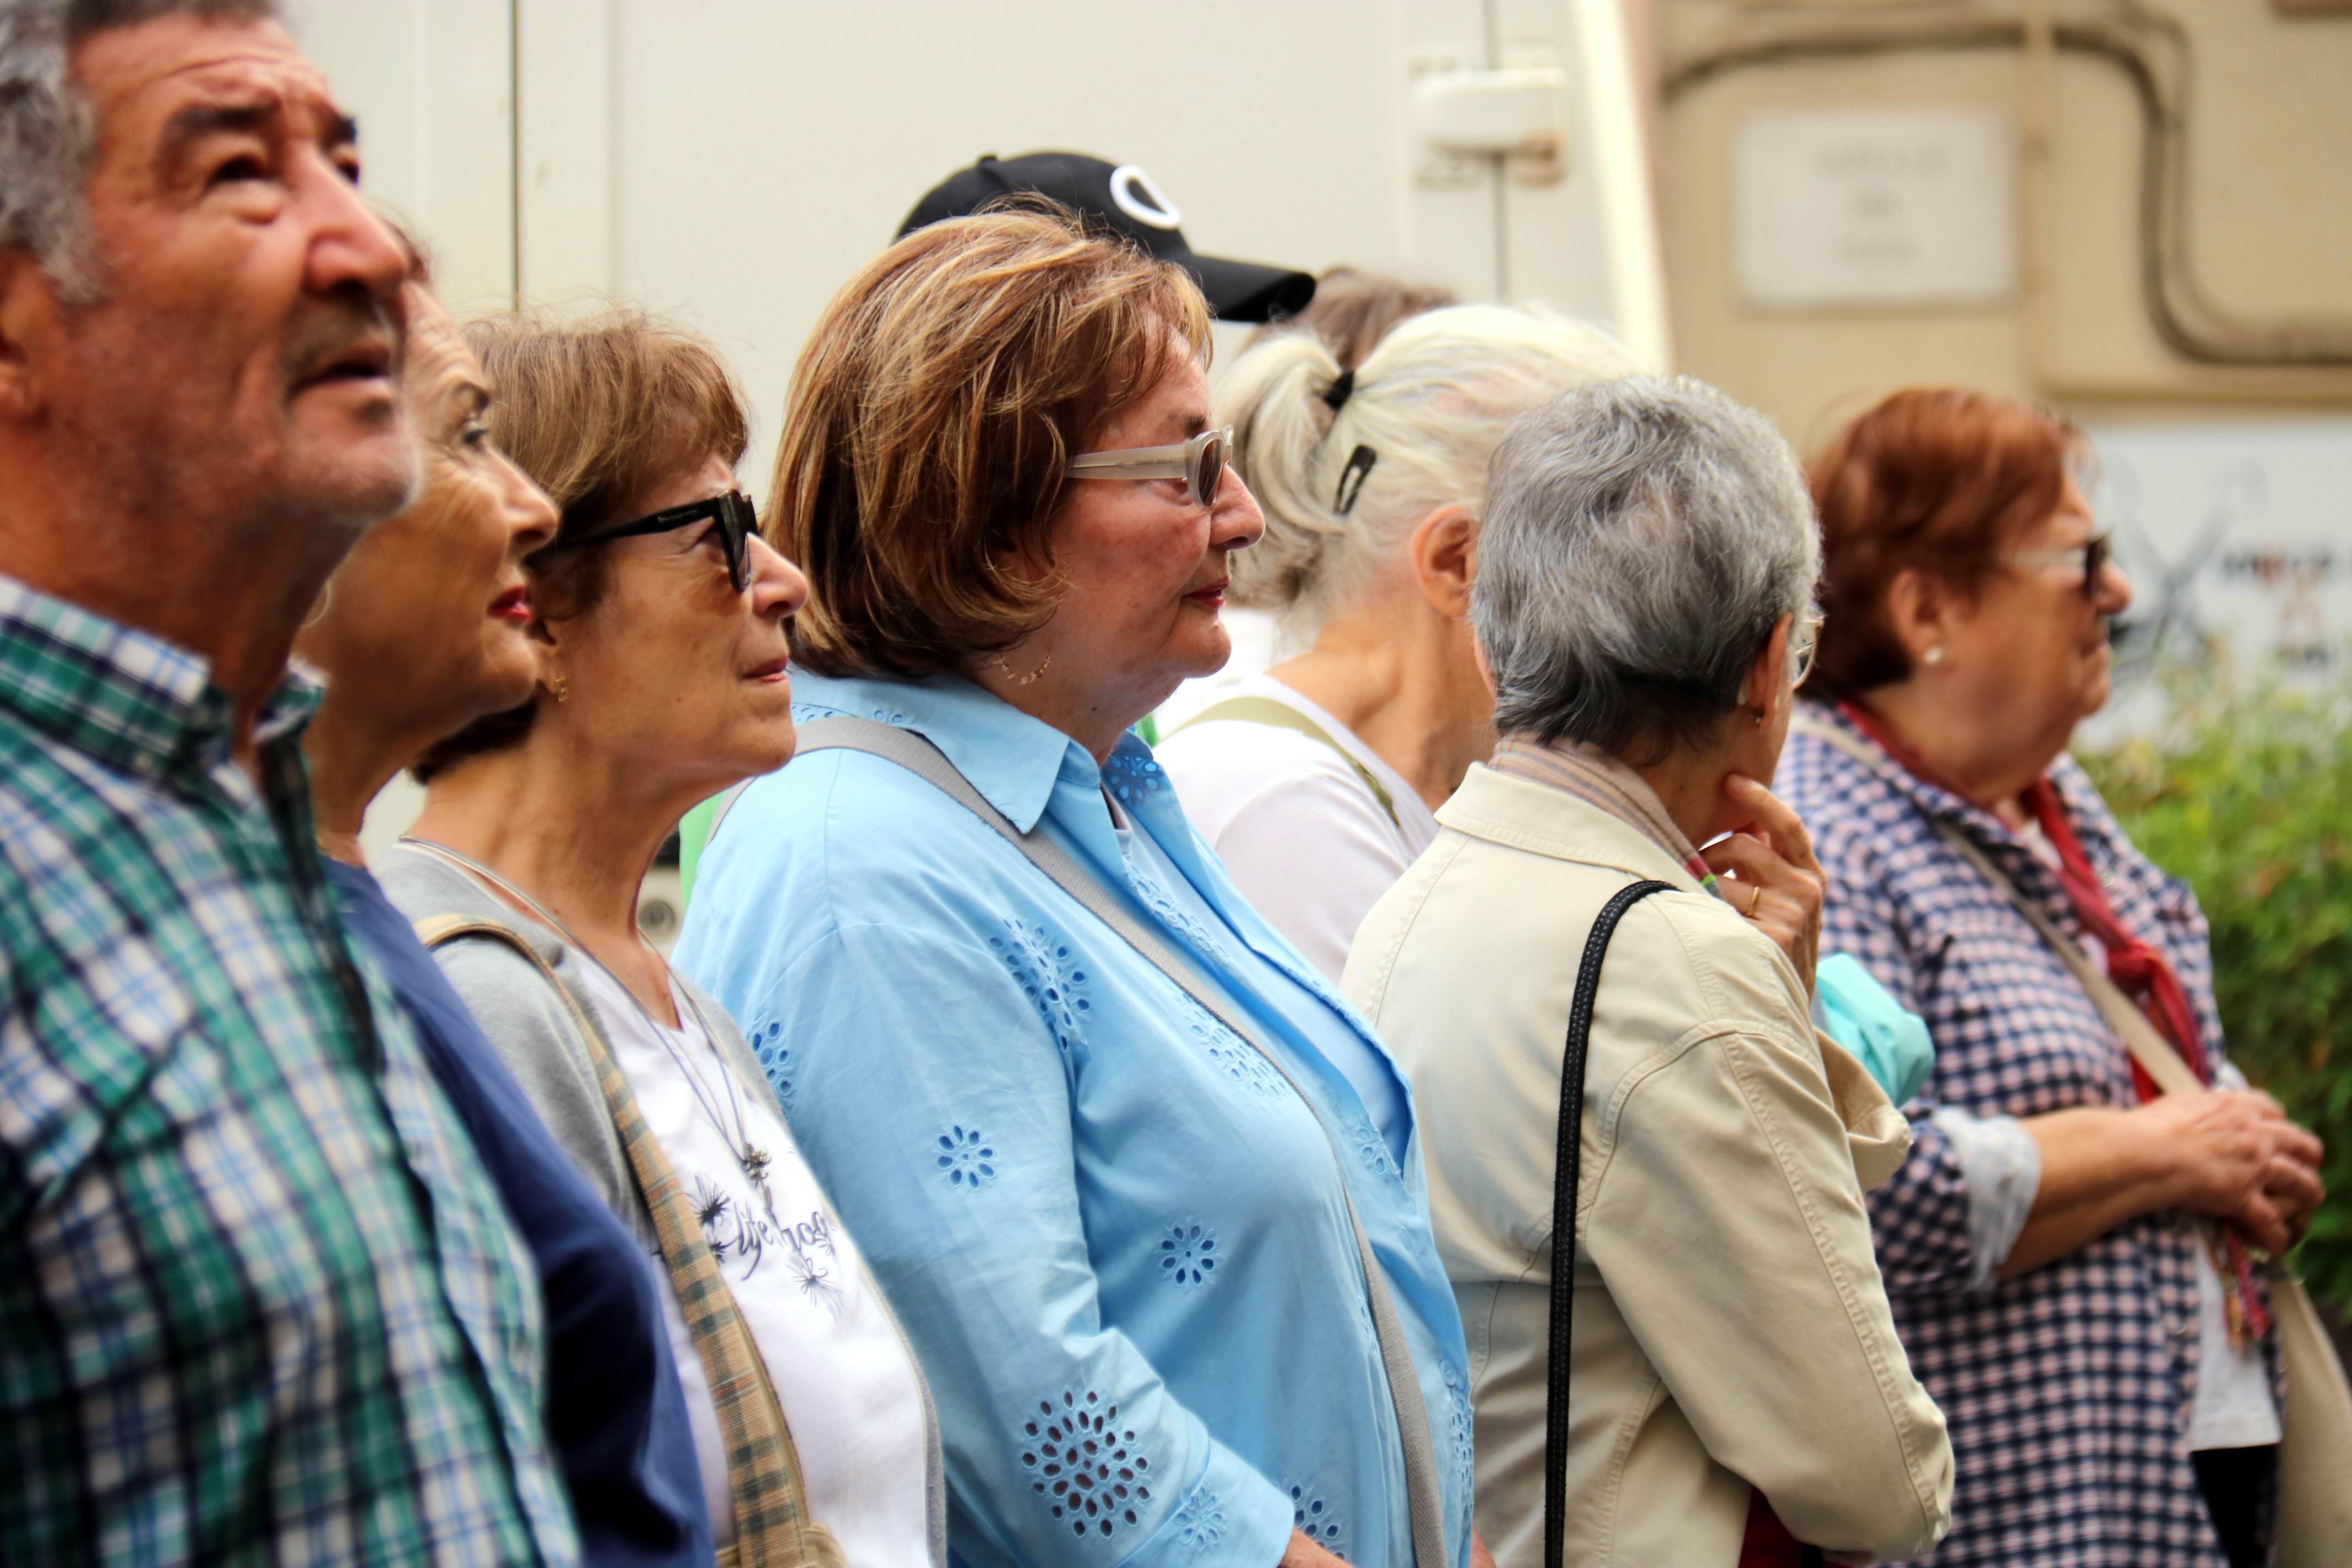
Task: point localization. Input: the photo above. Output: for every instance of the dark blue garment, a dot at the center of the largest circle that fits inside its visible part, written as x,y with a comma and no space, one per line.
616,1415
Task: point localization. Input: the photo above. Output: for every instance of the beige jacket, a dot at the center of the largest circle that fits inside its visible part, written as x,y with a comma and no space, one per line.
1730,1324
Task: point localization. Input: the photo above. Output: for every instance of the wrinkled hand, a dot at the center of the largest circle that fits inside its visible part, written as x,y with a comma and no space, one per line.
1304,1553
1772,851
2238,1157
2290,1183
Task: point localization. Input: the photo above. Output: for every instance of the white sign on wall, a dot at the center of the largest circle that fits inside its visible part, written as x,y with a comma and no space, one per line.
1875,206
2236,534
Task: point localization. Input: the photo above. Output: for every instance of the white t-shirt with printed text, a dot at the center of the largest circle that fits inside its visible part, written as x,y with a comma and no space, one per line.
850,1389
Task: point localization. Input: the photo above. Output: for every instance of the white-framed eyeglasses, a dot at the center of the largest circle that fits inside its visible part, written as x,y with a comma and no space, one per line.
1199,462
1804,641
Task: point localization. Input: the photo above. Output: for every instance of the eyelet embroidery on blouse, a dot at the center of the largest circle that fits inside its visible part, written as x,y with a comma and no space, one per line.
1188,1255
1088,1469
1239,1058
1465,1434
1372,1149
1201,1521
1132,777
1041,965
965,1159
1154,896
775,1059
1315,1519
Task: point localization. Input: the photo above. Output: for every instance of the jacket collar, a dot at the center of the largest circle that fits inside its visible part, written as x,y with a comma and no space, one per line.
132,700
1529,815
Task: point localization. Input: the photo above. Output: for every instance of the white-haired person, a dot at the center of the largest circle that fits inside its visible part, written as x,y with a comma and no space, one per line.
1315,782
1735,1384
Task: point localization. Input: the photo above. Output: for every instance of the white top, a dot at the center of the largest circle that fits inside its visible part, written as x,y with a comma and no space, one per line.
848,1384
2233,1408
1305,840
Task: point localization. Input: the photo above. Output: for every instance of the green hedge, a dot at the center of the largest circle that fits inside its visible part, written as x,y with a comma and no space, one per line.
2248,796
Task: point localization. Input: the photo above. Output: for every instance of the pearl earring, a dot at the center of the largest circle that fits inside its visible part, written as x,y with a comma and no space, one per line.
1933,656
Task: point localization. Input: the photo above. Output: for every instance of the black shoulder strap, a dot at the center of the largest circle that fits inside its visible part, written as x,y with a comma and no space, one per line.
1563,1214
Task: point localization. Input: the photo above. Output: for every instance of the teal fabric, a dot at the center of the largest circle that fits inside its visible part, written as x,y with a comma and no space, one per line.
1890,1041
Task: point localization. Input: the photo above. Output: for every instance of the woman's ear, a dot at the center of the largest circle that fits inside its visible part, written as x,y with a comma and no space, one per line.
1768,677
1923,612
1443,548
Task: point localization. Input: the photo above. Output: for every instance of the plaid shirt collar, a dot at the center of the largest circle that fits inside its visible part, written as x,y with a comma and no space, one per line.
1935,802
132,700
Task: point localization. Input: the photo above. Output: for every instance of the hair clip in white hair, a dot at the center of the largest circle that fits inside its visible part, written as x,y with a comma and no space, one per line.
1342,388
1352,478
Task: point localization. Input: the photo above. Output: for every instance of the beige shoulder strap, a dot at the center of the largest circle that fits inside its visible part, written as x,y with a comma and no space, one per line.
773,1528
1282,716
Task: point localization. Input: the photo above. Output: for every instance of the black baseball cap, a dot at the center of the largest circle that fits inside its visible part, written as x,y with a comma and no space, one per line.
1126,198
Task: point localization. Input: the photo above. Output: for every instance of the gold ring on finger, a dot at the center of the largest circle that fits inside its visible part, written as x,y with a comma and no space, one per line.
1754,899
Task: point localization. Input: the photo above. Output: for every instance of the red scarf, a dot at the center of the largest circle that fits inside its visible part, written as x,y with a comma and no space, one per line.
2138,970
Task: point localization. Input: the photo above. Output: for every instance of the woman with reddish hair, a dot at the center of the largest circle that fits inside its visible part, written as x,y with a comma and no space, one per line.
2069,1255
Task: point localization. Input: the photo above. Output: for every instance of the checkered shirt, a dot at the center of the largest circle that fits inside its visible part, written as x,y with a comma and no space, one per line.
2068,1390
259,1301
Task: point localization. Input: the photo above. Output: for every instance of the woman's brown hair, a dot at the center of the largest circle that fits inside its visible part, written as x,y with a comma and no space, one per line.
939,400
601,412
1938,479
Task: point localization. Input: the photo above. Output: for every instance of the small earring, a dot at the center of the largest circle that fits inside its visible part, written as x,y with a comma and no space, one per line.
1933,656
1759,717
564,688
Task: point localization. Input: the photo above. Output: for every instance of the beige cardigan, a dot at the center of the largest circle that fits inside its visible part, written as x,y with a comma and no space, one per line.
1730,1324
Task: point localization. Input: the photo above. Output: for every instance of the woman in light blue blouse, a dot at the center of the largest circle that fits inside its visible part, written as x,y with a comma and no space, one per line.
1127,1235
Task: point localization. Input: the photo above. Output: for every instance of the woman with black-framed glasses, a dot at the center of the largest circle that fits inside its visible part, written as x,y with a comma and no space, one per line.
660,619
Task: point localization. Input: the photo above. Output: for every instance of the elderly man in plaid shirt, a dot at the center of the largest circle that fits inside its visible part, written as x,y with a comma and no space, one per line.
258,1302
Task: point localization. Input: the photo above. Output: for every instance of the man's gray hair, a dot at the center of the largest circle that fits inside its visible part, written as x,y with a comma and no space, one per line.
1642,538
49,134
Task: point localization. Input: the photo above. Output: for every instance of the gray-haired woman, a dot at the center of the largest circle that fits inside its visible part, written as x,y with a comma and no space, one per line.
1643,600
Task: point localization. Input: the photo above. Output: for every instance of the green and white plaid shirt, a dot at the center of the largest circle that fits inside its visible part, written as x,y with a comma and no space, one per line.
259,1301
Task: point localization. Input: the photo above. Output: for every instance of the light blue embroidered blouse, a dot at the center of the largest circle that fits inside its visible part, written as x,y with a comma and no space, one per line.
1117,1237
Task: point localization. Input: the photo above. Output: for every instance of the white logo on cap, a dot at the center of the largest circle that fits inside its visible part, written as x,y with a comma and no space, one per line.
1142,200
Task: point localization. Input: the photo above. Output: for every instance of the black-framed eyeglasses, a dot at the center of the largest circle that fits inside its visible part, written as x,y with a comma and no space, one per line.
734,519
1199,462
2094,558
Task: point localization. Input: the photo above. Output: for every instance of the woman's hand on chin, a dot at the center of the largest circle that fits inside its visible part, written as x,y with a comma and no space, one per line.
1779,884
